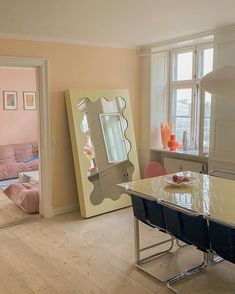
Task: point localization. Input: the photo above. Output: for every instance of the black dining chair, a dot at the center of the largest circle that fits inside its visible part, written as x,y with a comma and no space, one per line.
222,238
191,228
150,213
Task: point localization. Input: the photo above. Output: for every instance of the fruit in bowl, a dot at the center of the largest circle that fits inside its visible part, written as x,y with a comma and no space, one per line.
180,179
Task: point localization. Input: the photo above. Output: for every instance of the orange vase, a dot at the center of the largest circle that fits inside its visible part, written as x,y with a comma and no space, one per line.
166,131
173,144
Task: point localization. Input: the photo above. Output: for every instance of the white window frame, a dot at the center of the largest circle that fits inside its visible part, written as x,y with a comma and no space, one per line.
198,96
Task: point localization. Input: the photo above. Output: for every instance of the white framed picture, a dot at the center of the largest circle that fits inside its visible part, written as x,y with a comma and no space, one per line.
29,100
9,100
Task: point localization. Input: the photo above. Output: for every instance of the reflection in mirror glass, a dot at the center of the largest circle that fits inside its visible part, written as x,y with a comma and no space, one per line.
113,137
106,146
84,124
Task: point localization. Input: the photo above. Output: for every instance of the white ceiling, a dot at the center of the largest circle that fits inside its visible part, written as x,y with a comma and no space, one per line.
118,23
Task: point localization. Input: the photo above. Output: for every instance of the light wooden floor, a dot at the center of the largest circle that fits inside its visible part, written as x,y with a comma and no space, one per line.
68,255
11,213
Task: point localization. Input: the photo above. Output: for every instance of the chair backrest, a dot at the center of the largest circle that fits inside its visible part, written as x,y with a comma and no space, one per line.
194,229
139,210
187,227
154,169
149,212
222,239
172,222
155,214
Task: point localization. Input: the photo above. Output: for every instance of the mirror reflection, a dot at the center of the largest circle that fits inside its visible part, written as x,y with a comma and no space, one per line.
113,137
106,146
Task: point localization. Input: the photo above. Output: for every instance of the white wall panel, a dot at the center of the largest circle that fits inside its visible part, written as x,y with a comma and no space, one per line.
159,96
173,165
222,140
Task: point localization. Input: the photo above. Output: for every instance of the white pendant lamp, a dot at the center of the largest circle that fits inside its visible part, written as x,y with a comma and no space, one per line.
220,82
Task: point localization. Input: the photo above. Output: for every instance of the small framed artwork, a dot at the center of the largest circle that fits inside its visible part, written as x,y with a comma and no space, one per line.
9,100
29,100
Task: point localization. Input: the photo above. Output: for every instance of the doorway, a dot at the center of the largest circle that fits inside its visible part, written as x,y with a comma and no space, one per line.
44,127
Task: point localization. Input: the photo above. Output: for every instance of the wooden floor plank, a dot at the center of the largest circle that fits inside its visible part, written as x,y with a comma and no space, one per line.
40,265
21,268
91,265
68,255
11,281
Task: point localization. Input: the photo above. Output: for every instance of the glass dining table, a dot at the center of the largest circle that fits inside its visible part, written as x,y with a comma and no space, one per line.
209,196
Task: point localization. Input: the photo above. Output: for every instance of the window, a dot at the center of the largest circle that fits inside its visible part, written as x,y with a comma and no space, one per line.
190,106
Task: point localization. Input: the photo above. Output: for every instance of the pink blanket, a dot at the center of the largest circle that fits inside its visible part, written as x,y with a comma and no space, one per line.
25,195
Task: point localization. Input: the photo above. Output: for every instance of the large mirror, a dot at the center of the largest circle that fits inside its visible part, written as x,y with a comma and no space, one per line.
104,148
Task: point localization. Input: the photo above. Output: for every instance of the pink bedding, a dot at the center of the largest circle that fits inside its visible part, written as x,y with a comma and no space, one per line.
24,195
11,170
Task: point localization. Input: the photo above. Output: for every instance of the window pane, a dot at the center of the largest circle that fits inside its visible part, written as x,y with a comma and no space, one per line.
183,102
183,66
206,134
182,105
206,61
206,139
207,104
182,124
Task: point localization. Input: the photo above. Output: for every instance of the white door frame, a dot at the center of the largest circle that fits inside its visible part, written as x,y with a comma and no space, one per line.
45,166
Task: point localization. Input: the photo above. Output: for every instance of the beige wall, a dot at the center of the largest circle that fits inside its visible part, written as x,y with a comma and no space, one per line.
76,66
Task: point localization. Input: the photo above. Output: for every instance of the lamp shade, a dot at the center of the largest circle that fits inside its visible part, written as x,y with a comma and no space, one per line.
220,82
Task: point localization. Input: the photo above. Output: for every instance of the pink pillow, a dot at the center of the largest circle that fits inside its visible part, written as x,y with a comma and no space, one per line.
35,148
23,152
7,154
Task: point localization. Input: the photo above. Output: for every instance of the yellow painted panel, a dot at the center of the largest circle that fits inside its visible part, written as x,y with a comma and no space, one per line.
78,139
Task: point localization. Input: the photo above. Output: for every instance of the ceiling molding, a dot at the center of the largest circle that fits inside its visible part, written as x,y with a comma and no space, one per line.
177,40
66,41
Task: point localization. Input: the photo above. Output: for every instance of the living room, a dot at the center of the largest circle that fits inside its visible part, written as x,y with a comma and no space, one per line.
19,168
122,45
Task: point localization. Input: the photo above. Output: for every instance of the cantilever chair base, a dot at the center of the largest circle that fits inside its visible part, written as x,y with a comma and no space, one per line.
188,273
179,244
214,258
169,281
139,262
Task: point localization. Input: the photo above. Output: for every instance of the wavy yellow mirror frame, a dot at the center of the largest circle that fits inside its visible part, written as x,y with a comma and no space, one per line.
79,139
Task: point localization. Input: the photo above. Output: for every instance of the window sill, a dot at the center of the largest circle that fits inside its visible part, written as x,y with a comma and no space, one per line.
182,153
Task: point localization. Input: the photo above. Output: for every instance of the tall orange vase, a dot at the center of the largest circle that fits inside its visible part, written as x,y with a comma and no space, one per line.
166,131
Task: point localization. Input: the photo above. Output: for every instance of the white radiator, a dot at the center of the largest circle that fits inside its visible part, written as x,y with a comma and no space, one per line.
173,165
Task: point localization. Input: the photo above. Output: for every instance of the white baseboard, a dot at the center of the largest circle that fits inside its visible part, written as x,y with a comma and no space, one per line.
65,209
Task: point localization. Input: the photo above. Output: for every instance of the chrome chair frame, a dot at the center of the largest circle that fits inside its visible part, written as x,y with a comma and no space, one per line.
194,270
189,272
138,261
207,256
